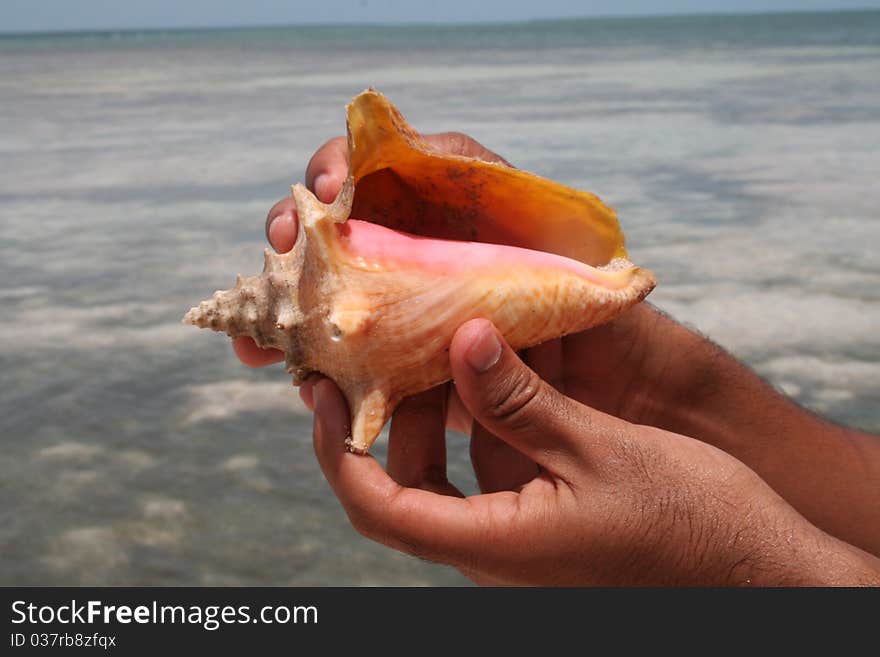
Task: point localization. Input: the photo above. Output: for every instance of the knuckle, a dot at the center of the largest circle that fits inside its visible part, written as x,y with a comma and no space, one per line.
362,523
463,144
370,524
363,517
417,550
513,401
331,145
329,149
460,142
457,143
278,209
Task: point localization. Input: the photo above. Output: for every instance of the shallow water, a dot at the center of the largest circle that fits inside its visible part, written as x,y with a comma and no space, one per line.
742,155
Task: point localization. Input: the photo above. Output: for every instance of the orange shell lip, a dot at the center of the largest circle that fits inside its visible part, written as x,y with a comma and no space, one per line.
404,183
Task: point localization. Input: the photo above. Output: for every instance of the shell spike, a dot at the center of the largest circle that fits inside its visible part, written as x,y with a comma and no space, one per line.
370,410
311,211
269,261
308,208
341,207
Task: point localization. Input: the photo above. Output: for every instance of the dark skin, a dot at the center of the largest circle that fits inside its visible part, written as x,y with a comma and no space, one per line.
634,453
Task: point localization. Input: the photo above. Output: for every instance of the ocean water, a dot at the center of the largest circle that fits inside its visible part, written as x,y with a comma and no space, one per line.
742,154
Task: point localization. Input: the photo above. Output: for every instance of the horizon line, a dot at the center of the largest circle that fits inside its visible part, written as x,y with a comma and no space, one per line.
428,23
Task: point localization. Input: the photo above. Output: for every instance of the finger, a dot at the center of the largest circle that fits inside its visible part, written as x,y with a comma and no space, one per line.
482,579
253,356
458,143
501,466
497,465
306,389
281,230
419,522
514,404
327,169
417,443
546,360
282,225
458,418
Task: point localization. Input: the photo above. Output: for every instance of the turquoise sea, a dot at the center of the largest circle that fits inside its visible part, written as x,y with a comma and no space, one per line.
741,152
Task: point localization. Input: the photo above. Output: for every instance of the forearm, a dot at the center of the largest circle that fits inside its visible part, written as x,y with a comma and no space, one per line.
830,474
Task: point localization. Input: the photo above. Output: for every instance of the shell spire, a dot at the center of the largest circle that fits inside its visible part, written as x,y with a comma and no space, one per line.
236,311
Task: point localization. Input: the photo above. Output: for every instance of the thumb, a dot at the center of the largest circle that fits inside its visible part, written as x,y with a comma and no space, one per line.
513,403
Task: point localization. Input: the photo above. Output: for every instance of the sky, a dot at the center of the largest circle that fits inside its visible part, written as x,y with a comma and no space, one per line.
64,15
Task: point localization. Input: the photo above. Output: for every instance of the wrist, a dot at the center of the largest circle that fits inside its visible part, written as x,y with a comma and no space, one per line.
800,554
692,386
702,391
821,469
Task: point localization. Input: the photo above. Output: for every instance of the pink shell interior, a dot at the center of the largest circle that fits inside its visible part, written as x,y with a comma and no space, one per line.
373,246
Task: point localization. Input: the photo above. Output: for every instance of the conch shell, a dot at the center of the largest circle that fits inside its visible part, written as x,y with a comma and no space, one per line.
438,239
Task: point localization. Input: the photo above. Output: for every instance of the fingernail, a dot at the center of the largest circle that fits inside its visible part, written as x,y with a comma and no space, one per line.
322,181
271,228
281,237
485,351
